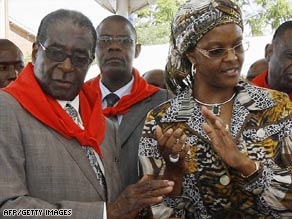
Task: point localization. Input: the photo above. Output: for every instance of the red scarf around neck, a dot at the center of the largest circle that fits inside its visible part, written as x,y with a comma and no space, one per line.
261,81
29,94
140,91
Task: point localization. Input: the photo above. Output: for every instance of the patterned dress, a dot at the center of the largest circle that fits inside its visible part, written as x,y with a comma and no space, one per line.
261,126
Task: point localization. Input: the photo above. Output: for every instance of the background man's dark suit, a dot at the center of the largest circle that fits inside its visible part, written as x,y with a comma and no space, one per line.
130,131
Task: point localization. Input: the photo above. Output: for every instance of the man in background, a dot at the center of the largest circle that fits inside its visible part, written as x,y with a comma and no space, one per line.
279,55
257,68
126,96
155,77
11,62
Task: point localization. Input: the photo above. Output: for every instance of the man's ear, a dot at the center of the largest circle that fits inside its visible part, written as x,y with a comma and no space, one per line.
268,51
34,51
137,50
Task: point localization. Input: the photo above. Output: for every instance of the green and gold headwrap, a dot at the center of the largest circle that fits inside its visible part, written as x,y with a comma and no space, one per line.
192,22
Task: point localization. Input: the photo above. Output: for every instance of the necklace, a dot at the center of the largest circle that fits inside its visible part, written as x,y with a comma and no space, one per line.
216,107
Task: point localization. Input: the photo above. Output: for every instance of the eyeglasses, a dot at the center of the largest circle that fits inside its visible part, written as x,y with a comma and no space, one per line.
78,59
222,52
120,40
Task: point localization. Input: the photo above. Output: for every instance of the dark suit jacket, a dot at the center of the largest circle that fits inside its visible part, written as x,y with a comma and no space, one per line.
130,131
41,169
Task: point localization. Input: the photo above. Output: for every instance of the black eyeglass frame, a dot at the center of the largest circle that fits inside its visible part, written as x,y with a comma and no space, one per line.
66,55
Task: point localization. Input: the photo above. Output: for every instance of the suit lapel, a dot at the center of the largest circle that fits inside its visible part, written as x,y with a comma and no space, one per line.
78,155
133,118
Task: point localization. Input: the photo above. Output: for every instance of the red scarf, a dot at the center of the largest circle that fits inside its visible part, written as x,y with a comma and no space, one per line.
261,81
140,90
29,94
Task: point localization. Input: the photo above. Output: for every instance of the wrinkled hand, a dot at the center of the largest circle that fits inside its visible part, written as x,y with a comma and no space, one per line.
138,196
223,142
173,143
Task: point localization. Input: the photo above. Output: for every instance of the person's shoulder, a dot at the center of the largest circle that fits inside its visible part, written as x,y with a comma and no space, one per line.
161,108
6,98
8,104
163,93
263,96
274,94
280,97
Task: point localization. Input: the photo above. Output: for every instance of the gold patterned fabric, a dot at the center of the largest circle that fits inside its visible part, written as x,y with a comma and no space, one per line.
193,20
261,126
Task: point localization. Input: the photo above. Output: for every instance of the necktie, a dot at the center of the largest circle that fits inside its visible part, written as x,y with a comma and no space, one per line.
72,112
111,99
90,153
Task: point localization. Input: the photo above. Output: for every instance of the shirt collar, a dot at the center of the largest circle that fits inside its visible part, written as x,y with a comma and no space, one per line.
74,103
125,90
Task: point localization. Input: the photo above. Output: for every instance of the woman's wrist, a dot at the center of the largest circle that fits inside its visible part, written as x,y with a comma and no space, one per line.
257,168
249,168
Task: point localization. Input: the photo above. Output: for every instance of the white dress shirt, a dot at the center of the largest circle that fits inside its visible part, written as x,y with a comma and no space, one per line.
75,103
125,90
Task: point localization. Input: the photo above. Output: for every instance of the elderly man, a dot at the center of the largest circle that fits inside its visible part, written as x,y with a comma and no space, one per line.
11,62
58,153
279,74
126,96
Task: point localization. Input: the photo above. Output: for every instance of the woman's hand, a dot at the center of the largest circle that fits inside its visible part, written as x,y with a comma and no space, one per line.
224,144
173,148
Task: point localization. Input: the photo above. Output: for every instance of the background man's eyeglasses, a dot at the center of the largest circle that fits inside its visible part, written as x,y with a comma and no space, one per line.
57,55
222,52
119,40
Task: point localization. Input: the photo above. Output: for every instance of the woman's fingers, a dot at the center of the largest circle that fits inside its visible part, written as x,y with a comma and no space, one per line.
172,143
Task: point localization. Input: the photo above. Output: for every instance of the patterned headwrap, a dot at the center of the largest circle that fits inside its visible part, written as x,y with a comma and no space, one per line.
192,22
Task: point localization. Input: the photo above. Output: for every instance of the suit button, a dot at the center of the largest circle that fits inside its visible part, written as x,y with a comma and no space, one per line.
116,160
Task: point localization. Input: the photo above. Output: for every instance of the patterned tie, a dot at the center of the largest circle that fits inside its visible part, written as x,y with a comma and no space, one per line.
111,99
91,155
72,112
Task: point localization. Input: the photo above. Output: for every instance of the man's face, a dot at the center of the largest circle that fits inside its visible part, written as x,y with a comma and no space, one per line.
280,63
115,50
11,63
62,79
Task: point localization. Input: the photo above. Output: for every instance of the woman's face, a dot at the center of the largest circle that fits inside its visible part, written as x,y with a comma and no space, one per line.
218,68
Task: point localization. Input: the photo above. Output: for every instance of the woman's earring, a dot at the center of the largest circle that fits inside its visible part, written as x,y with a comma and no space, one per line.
193,69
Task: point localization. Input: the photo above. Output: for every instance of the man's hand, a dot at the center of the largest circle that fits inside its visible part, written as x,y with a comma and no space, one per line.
138,196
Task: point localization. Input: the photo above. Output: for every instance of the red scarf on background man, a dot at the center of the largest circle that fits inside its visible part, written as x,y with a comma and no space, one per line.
261,81
27,91
140,91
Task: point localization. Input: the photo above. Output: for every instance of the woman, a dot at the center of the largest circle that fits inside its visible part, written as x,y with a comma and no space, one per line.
226,143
